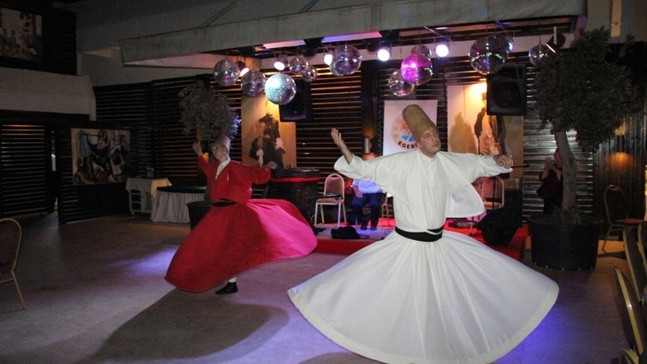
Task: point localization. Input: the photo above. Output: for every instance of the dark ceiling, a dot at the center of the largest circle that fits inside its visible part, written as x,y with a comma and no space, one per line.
428,35
425,35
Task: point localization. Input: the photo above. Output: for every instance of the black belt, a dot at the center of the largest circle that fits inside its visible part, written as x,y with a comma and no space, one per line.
431,235
222,203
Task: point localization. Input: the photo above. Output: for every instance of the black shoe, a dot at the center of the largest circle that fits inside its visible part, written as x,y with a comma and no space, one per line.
363,227
229,288
373,227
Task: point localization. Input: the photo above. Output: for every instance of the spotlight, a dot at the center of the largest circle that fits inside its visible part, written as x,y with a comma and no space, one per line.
384,53
328,56
281,62
243,68
442,48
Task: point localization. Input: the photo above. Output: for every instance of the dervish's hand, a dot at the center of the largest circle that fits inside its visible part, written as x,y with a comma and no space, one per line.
336,137
197,148
503,160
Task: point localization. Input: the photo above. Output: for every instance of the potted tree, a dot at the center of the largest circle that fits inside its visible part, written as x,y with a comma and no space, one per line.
207,113
577,89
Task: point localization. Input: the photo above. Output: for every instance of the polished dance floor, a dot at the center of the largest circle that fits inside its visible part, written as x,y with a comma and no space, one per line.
95,293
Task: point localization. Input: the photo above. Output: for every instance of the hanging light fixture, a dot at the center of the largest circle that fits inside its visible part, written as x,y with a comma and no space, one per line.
298,64
346,60
253,83
488,54
398,86
280,89
281,62
243,68
328,55
538,53
442,48
310,74
384,53
226,72
417,68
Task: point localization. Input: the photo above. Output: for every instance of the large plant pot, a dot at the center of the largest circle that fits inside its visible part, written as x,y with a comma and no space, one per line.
197,210
564,246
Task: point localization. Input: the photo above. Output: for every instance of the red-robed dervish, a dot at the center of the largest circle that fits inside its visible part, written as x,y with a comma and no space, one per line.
238,232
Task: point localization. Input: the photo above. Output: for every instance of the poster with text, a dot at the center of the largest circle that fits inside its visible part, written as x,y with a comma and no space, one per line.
397,135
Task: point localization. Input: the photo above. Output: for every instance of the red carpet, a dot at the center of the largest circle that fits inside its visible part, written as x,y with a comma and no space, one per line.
338,246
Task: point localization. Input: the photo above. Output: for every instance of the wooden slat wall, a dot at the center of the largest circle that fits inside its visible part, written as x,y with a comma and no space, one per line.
24,160
348,102
624,168
336,103
128,105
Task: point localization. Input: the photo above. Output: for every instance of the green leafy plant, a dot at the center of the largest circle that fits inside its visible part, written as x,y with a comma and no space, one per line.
580,89
206,112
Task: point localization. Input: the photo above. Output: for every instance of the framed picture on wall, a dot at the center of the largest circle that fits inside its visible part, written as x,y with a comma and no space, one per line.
100,156
21,35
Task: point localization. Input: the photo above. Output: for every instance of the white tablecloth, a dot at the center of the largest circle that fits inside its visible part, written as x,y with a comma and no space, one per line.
146,184
146,188
171,206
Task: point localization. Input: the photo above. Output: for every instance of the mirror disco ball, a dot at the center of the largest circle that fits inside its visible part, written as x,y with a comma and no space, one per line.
298,64
310,74
416,69
280,89
488,55
538,53
422,49
225,72
346,60
253,83
398,86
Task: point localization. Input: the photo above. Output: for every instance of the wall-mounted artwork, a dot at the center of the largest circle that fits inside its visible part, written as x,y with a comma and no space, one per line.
472,130
21,35
100,156
265,137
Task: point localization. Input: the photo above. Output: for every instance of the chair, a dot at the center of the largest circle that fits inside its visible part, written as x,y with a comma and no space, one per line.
632,314
615,206
334,196
492,191
387,207
10,237
642,241
629,356
636,260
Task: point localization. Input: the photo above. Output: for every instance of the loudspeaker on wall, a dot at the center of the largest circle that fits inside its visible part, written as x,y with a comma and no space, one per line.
506,91
300,108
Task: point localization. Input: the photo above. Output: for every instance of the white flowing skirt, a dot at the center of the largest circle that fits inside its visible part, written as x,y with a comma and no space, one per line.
454,300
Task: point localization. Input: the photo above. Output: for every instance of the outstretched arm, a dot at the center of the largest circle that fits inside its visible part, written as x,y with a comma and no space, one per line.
503,160
197,148
336,137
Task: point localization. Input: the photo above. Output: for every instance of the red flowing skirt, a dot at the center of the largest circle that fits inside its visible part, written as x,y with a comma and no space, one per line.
231,239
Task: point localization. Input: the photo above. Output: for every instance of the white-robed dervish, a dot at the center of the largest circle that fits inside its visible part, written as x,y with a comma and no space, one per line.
423,295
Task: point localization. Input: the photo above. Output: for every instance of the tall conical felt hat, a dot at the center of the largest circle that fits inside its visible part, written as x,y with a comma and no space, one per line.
222,140
417,120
